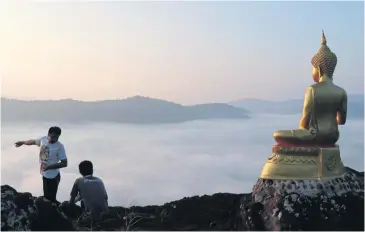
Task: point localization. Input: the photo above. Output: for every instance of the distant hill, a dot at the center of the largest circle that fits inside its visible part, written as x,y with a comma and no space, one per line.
136,109
294,106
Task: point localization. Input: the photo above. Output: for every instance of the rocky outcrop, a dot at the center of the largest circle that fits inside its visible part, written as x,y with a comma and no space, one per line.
273,205
17,209
22,211
336,204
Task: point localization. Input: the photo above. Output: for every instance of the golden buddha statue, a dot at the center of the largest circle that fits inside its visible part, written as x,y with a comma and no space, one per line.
311,152
325,105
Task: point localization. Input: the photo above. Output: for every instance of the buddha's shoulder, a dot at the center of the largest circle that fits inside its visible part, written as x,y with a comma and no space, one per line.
339,89
325,87
313,86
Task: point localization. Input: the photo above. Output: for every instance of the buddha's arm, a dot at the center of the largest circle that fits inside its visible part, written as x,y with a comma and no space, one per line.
342,111
307,109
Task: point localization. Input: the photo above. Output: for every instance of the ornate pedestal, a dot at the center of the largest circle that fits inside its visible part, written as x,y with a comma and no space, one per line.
303,163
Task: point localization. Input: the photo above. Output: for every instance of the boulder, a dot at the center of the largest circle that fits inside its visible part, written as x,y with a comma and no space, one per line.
336,204
17,209
22,211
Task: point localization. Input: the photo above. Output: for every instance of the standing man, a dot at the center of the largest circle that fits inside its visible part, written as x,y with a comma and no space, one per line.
52,157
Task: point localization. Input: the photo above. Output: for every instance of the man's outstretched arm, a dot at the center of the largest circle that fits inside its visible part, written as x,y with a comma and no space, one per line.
27,142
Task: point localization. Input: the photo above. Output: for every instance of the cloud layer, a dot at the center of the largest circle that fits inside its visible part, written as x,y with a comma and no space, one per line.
159,163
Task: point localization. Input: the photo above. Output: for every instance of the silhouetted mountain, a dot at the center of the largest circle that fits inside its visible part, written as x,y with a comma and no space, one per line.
131,110
294,106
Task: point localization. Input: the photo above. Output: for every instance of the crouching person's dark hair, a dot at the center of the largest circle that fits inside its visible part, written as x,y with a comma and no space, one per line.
86,168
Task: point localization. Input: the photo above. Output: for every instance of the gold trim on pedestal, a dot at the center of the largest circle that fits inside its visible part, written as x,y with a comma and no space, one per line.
303,163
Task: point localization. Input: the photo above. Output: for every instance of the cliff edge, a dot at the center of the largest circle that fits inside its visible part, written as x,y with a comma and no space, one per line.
334,205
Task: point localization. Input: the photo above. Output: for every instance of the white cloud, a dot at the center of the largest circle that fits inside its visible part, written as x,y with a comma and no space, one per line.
153,164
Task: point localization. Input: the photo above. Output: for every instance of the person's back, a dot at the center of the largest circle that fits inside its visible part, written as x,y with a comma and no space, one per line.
93,194
91,189
329,99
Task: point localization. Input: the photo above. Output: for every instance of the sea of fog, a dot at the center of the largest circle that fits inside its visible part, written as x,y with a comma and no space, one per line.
154,164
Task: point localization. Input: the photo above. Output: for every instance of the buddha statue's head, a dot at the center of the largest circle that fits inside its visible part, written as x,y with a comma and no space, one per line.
324,61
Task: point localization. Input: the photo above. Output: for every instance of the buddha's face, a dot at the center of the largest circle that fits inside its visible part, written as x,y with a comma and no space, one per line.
315,74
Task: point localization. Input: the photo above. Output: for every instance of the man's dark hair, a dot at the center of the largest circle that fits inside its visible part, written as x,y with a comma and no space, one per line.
55,130
86,168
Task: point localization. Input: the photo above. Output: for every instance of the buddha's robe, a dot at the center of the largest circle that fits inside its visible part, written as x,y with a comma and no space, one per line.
325,107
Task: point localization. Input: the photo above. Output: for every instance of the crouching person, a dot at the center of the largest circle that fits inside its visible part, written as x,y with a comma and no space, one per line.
90,191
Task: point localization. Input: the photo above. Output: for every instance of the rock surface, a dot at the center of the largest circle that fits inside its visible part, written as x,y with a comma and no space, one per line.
22,211
273,205
305,205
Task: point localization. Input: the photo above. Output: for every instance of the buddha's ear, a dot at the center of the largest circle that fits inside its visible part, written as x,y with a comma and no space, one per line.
319,72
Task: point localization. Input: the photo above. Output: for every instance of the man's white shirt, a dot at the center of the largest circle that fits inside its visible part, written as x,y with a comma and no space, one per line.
50,153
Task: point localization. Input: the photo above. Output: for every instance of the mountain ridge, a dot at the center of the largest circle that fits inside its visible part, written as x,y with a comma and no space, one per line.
294,106
137,109
146,110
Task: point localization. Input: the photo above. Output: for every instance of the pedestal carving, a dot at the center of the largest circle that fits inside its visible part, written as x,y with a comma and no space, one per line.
303,163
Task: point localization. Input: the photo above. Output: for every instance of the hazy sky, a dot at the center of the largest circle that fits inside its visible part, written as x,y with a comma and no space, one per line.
159,163
188,52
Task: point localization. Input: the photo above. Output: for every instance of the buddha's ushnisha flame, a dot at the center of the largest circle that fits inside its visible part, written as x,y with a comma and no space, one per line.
324,41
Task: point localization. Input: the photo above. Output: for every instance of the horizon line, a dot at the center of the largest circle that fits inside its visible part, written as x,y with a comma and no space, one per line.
160,99
141,96
155,98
